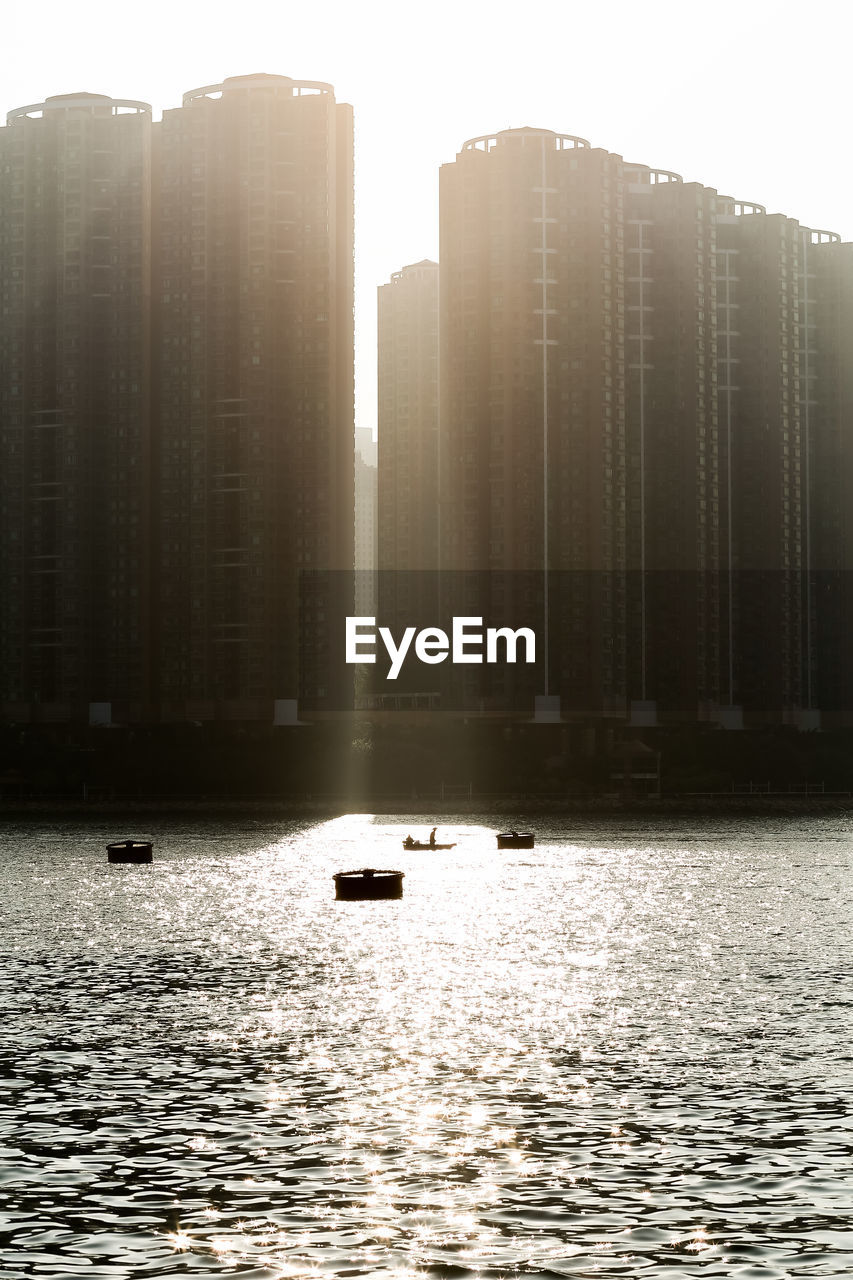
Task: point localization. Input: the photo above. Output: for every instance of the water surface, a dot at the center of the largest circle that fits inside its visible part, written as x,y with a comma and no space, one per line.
625,1052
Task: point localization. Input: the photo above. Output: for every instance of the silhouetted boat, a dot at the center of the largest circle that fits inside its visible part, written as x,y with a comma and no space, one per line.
130,851
368,883
424,844
516,839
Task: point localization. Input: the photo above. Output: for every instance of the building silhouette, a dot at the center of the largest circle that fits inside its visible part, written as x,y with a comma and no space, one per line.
618,412
254,274
645,411
177,403
672,495
75,426
532,435
408,489
408,419
365,521
761,458
825,307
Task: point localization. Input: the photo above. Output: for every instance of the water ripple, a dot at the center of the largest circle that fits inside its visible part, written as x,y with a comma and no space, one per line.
625,1051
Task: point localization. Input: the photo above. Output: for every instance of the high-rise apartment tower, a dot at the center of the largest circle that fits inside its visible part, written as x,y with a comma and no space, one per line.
532,435
408,419
408,490
644,415
254,369
75,255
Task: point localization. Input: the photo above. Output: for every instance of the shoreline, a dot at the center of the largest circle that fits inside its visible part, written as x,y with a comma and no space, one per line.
790,804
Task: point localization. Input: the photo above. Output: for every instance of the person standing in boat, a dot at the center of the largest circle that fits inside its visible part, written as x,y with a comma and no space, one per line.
432,837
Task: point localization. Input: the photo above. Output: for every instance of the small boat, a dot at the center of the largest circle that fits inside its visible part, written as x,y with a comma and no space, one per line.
368,883
424,844
130,851
516,839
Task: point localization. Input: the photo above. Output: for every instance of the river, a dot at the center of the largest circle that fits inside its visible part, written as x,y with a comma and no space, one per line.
627,1051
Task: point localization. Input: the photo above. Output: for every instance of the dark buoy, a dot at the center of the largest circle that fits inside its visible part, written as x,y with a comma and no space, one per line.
515,840
130,851
368,883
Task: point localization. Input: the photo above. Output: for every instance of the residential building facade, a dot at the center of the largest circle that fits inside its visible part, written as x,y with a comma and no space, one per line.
532,435
75,422
366,456
643,427
254,378
176,403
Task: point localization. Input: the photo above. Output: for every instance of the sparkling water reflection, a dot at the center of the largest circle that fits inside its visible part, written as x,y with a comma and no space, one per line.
625,1051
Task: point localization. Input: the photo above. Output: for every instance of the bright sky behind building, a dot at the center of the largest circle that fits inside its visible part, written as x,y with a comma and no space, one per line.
748,97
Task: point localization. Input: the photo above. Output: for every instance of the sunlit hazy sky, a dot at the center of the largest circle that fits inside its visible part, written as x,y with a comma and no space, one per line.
748,96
